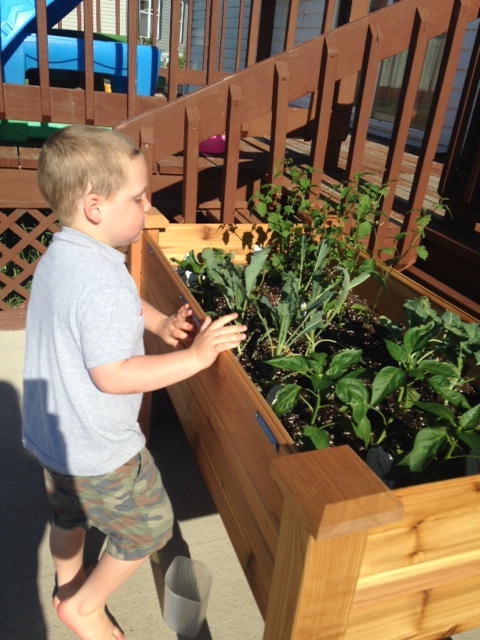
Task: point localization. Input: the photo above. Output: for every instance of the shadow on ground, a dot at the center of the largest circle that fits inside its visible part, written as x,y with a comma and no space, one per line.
24,516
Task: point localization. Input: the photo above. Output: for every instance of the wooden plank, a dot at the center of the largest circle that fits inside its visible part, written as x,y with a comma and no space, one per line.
13,319
68,106
364,102
279,122
20,189
176,242
173,49
42,52
9,157
230,167
190,165
88,62
325,90
28,157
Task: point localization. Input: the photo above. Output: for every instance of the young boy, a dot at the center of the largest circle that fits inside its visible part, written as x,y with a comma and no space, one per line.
85,370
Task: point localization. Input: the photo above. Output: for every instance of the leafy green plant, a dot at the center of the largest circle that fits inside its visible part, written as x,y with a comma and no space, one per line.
323,374
408,393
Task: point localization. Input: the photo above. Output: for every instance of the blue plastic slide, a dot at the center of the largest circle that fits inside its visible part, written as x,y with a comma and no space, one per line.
66,53
18,17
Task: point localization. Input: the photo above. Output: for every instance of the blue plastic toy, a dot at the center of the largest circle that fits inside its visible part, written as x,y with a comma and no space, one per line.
66,53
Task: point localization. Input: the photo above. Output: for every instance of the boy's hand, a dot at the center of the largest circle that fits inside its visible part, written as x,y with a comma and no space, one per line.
216,336
177,329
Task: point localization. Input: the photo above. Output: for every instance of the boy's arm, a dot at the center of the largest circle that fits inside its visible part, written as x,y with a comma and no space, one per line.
141,374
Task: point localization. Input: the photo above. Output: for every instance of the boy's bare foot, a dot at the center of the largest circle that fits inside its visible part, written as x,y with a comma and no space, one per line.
94,626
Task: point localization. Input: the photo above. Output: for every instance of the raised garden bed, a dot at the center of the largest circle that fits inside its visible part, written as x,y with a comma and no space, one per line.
328,550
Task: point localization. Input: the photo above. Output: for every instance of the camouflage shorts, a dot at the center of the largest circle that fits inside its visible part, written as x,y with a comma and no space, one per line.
130,506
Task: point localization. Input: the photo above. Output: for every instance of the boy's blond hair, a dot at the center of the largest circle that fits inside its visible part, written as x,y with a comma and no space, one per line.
80,160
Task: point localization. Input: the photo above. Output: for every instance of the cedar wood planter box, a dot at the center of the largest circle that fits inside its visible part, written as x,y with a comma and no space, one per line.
329,552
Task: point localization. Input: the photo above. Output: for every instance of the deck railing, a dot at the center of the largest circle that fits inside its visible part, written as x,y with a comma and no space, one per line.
338,72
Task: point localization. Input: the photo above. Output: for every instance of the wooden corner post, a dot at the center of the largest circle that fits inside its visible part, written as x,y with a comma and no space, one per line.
332,499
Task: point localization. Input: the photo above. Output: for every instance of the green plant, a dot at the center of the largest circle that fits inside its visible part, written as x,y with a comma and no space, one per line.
323,374
345,375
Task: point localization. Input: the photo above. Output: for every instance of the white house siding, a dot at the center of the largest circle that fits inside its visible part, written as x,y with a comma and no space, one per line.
107,16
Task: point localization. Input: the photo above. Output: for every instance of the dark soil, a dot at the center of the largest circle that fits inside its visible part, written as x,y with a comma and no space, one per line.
352,330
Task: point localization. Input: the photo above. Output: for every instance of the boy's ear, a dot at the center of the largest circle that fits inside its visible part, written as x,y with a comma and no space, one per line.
92,208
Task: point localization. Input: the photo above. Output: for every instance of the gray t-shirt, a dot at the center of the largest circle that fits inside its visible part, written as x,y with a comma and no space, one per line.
83,311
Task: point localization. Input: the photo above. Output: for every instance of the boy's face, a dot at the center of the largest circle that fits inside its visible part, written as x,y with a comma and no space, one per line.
123,215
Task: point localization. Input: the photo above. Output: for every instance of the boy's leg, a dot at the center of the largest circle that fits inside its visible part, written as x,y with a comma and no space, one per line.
85,611
66,547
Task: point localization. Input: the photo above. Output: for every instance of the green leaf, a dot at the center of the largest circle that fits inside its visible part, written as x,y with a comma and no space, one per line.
422,252
319,437
471,439
427,443
439,410
471,418
386,382
351,391
363,430
295,363
342,361
411,397
397,352
436,368
286,399
364,229
254,268
457,399
417,338
359,279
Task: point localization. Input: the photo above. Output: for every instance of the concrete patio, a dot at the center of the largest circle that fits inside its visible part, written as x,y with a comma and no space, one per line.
27,575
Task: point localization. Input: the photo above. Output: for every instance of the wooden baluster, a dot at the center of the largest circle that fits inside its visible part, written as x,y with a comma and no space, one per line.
154,33
132,38
232,151
98,16
253,33
88,62
403,117
366,91
279,121
238,53
292,18
173,54
327,20
453,46
190,164
2,92
331,500
326,92
212,41
42,52
117,18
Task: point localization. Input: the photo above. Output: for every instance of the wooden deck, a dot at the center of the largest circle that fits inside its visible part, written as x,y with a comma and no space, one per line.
18,164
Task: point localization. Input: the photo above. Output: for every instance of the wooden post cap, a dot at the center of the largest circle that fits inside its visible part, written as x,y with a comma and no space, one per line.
335,492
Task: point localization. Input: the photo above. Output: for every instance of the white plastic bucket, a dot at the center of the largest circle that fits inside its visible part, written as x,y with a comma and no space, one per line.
187,587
